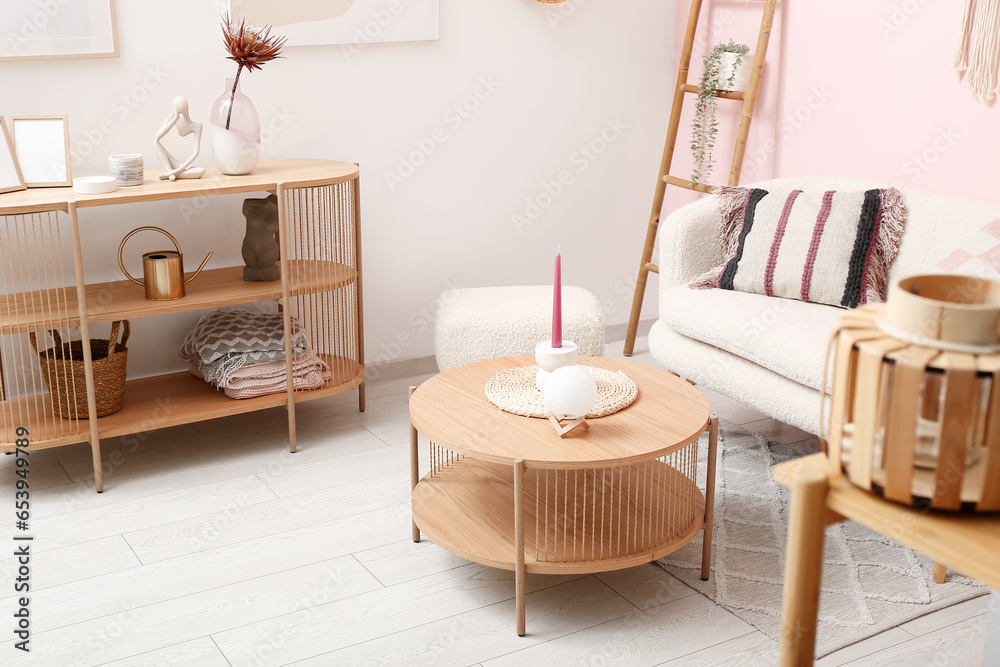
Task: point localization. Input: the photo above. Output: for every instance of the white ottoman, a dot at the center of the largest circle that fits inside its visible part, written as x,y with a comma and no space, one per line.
481,323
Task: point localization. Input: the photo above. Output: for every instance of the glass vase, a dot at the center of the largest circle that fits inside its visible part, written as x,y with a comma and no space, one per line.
235,132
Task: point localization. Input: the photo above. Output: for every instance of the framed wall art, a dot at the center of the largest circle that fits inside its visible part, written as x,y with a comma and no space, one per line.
60,29
309,22
41,146
10,171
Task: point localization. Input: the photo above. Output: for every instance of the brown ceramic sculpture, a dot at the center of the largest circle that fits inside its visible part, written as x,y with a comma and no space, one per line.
260,249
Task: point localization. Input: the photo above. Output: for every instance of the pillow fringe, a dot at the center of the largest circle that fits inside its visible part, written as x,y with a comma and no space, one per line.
707,280
732,206
732,209
891,221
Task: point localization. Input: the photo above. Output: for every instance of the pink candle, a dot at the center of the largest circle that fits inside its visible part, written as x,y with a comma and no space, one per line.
557,304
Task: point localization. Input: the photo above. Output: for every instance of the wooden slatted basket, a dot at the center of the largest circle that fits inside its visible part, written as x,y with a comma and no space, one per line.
915,399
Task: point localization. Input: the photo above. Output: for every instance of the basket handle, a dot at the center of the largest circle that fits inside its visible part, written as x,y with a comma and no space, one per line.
112,343
34,339
113,340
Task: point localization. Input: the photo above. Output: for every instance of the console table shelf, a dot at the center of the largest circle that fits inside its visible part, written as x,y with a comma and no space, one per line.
42,287
161,401
265,178
106,302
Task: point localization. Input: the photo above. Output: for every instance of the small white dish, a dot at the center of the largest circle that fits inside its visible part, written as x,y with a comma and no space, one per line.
94,185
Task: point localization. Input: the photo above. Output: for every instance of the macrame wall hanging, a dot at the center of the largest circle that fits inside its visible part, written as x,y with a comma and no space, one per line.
978,50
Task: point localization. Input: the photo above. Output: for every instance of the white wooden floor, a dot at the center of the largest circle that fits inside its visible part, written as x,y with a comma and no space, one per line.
214,546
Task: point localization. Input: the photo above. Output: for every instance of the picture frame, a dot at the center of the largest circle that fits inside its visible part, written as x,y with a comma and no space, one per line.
11,179
353,24
67,29
41,147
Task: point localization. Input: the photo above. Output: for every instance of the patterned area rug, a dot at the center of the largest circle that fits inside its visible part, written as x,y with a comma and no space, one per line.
870,583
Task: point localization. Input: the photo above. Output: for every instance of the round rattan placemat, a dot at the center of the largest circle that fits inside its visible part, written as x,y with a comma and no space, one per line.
514,391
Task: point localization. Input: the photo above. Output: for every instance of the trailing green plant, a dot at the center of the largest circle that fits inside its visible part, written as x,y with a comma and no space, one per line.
704,127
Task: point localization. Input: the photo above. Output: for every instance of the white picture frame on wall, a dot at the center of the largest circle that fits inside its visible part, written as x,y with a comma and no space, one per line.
59,29
11,179
358,22
41,147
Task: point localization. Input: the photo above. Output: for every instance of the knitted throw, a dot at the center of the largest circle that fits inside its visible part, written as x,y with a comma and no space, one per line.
269,377
832,247
978,50
225,340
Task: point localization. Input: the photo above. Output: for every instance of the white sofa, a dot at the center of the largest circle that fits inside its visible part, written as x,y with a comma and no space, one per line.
768,352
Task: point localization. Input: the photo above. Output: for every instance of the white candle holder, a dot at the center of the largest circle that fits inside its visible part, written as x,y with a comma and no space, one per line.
550,358
126,168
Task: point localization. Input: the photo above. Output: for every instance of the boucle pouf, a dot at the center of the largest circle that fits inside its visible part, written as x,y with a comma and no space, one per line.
479,323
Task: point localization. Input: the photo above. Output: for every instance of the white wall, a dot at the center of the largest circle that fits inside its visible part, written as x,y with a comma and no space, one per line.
561,77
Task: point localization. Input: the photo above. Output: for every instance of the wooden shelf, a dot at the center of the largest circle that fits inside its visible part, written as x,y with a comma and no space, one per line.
42,288
686,183
636,434
158,402
107,302
467,507
265,177
721,94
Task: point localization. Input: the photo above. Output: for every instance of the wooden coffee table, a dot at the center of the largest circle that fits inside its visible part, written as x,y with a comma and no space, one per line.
506,491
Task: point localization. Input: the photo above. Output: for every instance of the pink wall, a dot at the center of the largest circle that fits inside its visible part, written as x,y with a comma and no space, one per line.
861,89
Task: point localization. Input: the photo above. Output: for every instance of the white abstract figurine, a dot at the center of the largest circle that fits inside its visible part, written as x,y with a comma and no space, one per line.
185,126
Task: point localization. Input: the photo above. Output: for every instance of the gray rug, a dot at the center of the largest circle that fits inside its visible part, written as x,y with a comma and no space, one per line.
870,583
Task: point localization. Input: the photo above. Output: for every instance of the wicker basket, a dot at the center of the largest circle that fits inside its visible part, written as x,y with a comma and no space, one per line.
63,370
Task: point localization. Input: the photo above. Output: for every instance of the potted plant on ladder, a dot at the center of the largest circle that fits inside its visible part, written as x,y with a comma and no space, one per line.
727,68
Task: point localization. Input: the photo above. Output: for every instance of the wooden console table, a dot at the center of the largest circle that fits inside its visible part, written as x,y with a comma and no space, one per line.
42,275
506,491
969,543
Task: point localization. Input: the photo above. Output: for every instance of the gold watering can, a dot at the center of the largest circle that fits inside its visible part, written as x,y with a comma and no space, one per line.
163,270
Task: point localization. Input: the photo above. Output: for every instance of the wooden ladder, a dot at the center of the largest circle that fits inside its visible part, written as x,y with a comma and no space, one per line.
681,89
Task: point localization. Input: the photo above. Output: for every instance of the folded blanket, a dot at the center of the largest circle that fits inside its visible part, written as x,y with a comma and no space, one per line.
268,377
226,340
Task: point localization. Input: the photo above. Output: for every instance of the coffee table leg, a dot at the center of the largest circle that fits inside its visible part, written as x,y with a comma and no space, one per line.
519,543
414,471
706,548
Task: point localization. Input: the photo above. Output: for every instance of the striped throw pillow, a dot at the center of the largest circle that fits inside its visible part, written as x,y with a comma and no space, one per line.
824,247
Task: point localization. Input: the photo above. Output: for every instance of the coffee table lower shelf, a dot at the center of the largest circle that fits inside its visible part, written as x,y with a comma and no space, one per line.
575,521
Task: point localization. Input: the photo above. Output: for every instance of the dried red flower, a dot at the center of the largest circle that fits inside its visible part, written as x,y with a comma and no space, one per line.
248,47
